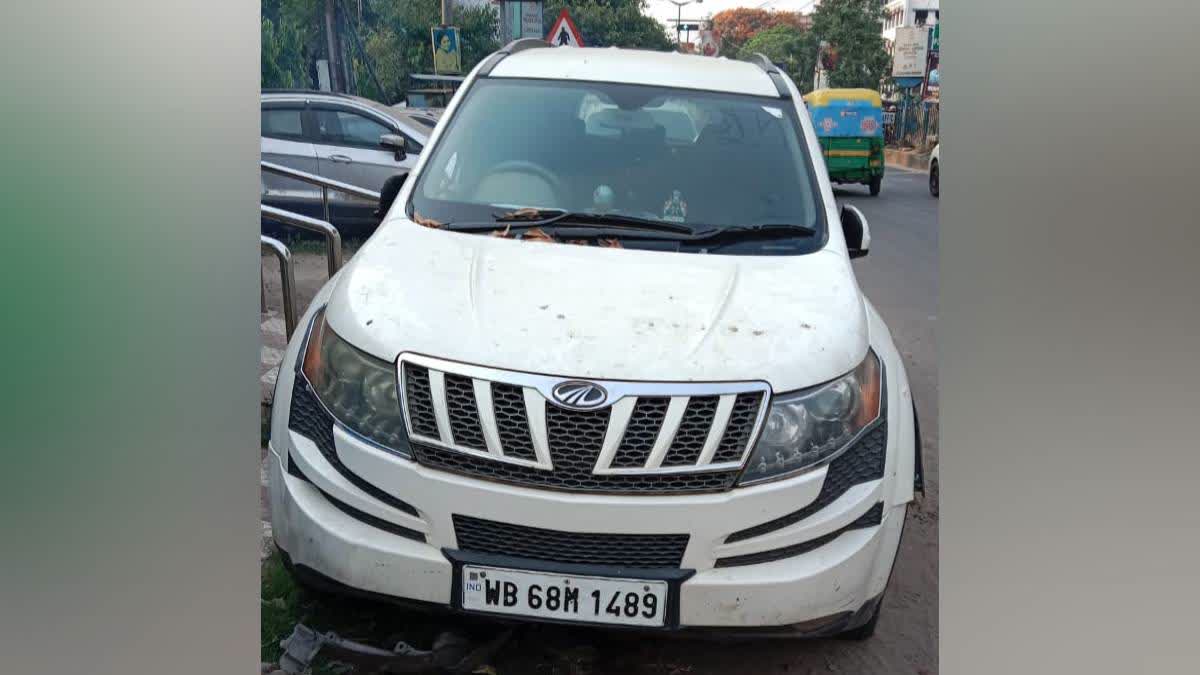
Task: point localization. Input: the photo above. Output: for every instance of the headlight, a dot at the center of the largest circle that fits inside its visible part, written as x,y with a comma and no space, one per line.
358,389
808,427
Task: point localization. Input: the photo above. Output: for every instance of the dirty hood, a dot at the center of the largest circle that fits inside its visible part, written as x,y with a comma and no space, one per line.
588,312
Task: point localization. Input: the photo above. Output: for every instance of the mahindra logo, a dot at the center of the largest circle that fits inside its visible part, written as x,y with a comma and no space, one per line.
580,395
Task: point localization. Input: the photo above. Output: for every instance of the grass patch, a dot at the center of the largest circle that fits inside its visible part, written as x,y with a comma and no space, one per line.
282,607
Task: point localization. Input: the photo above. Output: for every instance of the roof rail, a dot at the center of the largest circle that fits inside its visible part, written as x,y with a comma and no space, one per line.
301,90
768,66
511,48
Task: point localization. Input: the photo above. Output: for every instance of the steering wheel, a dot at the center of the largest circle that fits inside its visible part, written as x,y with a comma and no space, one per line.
527,167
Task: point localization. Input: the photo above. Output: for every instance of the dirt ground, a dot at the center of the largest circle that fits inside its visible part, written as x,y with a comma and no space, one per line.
907,636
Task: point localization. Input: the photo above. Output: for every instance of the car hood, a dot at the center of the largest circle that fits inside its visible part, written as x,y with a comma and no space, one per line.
588,312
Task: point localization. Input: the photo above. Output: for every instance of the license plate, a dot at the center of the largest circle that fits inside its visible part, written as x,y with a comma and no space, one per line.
565,597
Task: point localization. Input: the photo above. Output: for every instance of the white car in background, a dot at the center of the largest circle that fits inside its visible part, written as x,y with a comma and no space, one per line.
346,138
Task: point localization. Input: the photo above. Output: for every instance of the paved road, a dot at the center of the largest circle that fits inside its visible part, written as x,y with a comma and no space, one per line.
901,278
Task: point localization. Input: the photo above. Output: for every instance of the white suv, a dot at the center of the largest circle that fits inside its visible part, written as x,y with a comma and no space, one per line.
606,362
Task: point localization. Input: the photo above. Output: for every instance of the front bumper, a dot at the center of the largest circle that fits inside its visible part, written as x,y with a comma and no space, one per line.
330,527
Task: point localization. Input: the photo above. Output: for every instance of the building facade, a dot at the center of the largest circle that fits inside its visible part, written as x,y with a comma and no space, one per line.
898,13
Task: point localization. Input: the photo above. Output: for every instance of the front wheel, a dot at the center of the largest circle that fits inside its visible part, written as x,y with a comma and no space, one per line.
934,179
875,184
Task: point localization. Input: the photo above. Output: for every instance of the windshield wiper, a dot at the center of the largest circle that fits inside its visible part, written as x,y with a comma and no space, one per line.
761,230
547,217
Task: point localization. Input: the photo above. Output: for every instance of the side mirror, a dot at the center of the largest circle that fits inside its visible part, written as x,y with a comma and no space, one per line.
856,230
394,142
387,195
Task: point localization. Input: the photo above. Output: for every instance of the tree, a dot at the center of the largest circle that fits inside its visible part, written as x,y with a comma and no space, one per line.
397,40
793,49
291,41
283,61
610,23
736,26
852,28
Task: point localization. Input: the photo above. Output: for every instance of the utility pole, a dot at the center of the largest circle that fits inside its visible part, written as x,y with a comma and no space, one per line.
445,12
333,47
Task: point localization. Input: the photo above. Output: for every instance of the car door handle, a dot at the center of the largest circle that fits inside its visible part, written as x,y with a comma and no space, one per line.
343,159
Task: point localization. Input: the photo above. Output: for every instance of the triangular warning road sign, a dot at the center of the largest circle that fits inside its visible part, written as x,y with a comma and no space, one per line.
564,33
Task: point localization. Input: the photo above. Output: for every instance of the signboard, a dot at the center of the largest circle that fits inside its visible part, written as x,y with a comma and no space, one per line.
935,39
564,33
531,19
710,43
447,58
910,51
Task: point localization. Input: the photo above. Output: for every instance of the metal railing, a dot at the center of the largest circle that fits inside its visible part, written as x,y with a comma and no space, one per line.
325,228
325,184
333,238
287,278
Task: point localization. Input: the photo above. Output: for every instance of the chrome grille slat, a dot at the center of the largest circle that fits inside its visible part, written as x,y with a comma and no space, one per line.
666,433
641,432
437,392
463,412
693,431
486,410
646,437
717,431
511,420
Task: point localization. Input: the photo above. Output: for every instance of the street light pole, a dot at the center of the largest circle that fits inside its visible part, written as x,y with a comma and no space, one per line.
679,18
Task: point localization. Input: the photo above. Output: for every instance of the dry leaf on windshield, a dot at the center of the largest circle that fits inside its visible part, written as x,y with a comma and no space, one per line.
506,233
610,243
427,222
527,213
537,234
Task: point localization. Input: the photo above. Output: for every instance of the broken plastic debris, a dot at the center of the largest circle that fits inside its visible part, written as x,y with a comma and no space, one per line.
450,653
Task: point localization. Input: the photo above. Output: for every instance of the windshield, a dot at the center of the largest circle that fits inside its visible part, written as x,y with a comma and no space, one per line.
703,159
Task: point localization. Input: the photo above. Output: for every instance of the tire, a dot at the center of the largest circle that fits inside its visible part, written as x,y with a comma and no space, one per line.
935,179
875,184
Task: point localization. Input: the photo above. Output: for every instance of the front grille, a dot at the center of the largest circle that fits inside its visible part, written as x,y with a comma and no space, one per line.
501,425
582,548
737,432
871,518
464,415
641,432
859,464
693,432
572,474
511,421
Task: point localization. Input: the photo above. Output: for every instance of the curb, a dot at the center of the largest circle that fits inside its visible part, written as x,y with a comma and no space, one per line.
905,159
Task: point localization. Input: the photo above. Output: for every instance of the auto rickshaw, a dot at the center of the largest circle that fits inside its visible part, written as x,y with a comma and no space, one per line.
849,124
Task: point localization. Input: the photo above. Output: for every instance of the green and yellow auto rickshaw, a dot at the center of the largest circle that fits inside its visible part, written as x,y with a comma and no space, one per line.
849,124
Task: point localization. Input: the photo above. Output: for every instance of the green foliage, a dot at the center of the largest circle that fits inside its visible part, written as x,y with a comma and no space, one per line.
394,35
787,46
397,41
852,28
738,25
610,23
281,607
283,55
